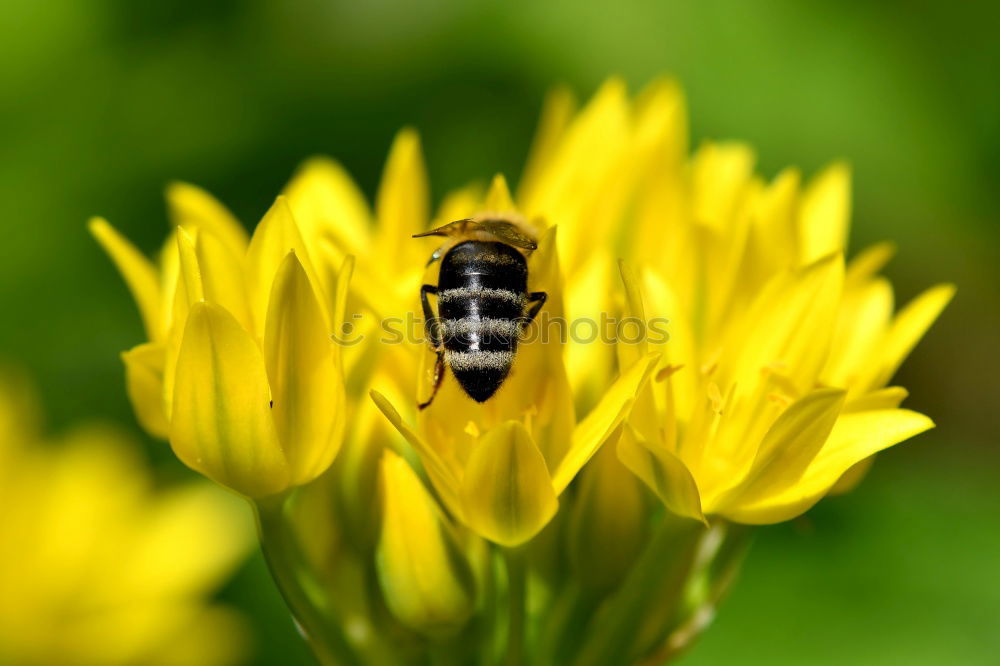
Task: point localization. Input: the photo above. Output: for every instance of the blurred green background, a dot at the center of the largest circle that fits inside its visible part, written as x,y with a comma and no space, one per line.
102,102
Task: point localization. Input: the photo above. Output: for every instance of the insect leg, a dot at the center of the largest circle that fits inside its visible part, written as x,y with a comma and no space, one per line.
433,327
537,300
431,322
438,378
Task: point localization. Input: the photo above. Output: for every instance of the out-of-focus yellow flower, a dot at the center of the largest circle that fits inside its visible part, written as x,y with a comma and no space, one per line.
240,372
98,567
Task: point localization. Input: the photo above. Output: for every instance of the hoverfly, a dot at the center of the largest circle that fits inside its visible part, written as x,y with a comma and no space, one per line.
483,301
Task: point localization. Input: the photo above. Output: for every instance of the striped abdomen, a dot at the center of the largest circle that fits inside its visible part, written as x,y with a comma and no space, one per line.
481,297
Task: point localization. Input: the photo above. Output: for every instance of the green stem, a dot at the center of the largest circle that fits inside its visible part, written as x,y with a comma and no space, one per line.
516,601
284,561
648,599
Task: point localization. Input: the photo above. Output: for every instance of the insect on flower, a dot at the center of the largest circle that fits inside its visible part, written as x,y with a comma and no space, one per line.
482,293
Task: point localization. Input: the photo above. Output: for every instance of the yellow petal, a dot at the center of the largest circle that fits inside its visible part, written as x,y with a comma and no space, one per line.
825,213
275,236
194,291
557,112
338,310
790,324
402,204
598,425
855,437
327,203
442,475
192,206
307,391
790,445
905,332
459,204
868,263
427,583
144,384
771,243
861,323
582,187
661,126
664,473
887,398
222,425
139,274
498,198
632,345
223,276
506,491
720,173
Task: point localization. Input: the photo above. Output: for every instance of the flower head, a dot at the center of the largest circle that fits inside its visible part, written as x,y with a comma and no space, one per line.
239,372
769,393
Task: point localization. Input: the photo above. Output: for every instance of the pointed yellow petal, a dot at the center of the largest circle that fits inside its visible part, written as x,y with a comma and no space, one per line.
887,398
791,324
223,277
506,491
144,384
634,310
772,241
459,204
338,311
632,345
585,182
192,206
868,263
402,204
720,173
498,198
427,582
855,437
557,112
905,332
306,388
825,213
864,316
275,236
788,448
598,425
661,125
222,425
327,203
664,473
139,274
442,475
190,271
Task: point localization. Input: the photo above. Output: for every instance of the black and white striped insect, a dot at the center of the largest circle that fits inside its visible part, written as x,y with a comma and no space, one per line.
483,302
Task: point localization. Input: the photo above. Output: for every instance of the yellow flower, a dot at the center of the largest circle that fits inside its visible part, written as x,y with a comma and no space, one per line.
772,385
770,392
239,372
96,566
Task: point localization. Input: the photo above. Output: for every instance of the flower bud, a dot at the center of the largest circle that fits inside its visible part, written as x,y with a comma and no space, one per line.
427,582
